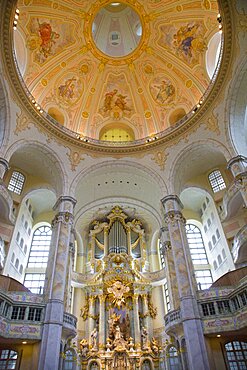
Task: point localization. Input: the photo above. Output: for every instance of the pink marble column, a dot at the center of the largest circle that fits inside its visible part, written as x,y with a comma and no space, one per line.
189,313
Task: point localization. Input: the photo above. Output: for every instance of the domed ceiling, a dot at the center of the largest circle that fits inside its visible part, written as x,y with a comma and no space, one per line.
117,71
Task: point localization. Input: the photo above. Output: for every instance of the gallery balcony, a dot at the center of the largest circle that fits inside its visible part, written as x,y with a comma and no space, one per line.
173,321
69,325
239,250
232,201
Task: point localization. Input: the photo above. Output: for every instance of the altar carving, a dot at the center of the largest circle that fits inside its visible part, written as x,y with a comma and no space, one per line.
118,310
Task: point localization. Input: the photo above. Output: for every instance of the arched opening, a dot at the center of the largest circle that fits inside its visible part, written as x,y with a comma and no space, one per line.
117,132
176,115
56,114
213,53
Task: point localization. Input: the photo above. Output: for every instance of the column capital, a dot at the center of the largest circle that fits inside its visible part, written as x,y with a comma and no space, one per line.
65,203
172,217
237,165
172,203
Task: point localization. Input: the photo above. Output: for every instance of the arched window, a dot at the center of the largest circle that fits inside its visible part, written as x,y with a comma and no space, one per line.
223,253
38,258
21,243
217,233
18,237
215,265
8,359
197,249
146,365
13,258
70,360
210,245
16,182
26,225
173,360
216,181
94,366
198,256
219,259
21,269
17,263
236,355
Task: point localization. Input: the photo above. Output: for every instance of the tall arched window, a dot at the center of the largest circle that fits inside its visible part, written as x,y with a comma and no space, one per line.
199,257
38,258
70,360
216,181
16,182
236,355
173,360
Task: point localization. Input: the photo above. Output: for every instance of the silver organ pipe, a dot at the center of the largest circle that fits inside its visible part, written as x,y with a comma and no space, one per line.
117,238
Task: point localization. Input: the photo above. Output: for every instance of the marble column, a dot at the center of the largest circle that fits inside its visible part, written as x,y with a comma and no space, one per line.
4,166
170,269
55,287
192,325
146,312
137,331
102,320
238,167
91,314
106,235
129,241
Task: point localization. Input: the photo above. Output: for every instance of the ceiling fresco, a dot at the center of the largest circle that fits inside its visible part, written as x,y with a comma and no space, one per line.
85,89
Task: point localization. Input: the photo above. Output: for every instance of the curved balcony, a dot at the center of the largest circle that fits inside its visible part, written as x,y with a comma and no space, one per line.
223,309
172,321
239,250
69,325
6,204
232,200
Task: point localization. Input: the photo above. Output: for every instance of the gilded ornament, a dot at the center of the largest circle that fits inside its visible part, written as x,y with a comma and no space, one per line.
44,82
85,114
84,68
188,84
148,114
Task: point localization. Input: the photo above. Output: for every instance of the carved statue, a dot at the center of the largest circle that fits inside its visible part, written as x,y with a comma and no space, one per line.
119,342
131,344
85,310
94,336
84,347
154,346
144,335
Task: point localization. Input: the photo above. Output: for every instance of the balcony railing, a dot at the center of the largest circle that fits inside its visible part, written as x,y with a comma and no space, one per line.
70,319
172,319
239,244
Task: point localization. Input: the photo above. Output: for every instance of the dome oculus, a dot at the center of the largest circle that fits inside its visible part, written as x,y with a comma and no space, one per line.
116,30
